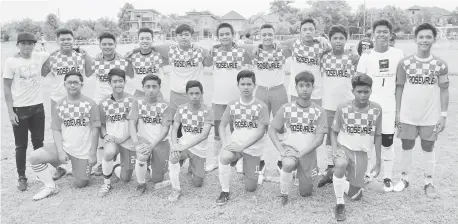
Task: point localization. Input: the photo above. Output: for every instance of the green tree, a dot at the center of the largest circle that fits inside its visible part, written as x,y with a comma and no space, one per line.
74,24
105,24
124,16
329,13
84,33
399,18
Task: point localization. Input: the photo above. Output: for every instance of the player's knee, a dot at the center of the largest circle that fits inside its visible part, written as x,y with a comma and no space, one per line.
250,185
288,166
80,183
427,146
225,157
142,157
174,160
109,151
306,190
407,144
197,181
34,158
340,164
387,140
125,178
157,178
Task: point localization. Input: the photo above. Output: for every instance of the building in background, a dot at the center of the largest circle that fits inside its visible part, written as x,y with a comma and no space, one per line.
143,18
236,20
260,20
205,23
435,15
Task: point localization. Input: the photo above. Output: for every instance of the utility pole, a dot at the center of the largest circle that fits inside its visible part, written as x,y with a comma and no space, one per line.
364,18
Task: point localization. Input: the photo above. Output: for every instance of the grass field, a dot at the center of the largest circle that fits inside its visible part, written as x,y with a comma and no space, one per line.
73,205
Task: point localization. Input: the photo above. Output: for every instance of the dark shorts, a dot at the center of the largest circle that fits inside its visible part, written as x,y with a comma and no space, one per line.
250,165
273,97
80,168
411,132
331,114
357,165
306,166
196,163
160,158
128,158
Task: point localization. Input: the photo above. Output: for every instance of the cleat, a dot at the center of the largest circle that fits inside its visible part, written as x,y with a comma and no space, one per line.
403,184
295,179
175,195
339,212
223,198
367,179
211,166
279,165
97,170
22,183
103,191
283,199
239,166
430,191
387,185
327,178
357,196
46,192
261,171
60,172
140,189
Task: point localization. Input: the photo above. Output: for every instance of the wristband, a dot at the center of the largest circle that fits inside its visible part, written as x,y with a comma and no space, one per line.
105,136
444,114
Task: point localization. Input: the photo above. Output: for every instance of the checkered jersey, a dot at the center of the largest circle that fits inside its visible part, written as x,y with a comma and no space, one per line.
365,122
115,111
192,57
431,69
228,59
295,115
337,66
269,60
244,113
75,111
102,67
61,64
145,64
154,111
194,119
307,54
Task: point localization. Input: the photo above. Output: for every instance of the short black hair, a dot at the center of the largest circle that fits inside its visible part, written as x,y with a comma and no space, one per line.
62,31
267,26
305,76
194,83
246,74
361,80
426,26
184,27
151,77
223,25
247,35
382,22
308,20
145,30
338,29
116,72
107,35
73,72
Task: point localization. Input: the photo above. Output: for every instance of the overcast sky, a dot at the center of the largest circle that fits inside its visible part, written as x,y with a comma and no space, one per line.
94,9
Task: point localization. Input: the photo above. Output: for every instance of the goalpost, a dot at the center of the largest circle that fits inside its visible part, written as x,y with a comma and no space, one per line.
443,32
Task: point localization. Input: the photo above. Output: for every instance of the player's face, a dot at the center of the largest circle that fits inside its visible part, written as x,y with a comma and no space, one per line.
246,86
382,35
117,84
425,40
184,38
151,88
26,47
194,94
225,35
146,40
338,41
108,46
308,31
65,42
362,94
304,90
73,85
267,36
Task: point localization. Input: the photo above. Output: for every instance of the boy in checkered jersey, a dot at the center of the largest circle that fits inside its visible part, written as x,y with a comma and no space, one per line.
304,124
58,65
196,119
337,69
381,65
115,130
422,98
149,123
75,125
357,127
227,60
250,118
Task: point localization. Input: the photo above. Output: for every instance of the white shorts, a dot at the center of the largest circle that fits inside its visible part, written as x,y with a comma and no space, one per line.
388,122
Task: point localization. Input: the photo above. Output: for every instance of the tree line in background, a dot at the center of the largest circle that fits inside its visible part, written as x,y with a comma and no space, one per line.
326,13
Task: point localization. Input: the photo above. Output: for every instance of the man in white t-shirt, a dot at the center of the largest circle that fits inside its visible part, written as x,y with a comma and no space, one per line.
24,100
381,65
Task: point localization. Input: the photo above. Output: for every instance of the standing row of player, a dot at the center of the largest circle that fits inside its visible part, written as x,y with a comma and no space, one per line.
329,64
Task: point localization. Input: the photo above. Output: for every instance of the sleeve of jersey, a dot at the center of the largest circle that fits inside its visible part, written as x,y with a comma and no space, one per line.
322,127
56,121
133,113
95,116
378,123
167,117
443,75
264,115
8,72
208,117
401,76
279,119
361,68
102,114
337,123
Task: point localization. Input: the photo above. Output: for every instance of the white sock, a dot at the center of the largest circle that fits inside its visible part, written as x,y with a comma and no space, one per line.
100,152
224,176
107,169
285,181
140,171
174,174
370,162
330,156
43,172
216,149
339,189
429,162
406,161
388,160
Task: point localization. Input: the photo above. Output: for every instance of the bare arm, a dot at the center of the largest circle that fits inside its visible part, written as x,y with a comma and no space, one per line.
87,65
94,140
444,95
46,68
273,134
133,131
312,146
222,130
175,127
58,141
7,83
201,137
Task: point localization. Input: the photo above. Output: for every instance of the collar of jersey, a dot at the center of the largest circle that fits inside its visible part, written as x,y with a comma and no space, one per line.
424,59
246,104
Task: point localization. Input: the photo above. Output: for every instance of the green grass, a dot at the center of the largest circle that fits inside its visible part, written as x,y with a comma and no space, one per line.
197,205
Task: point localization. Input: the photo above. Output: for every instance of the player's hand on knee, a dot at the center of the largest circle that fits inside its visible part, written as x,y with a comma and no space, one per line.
175,156
92,159
14,119
376,170
63,158
110,138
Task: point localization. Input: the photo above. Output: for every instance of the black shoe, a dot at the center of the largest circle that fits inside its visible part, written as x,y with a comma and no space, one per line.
388,185
327,178
339,212
22,183
223,198
283,199
60,172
